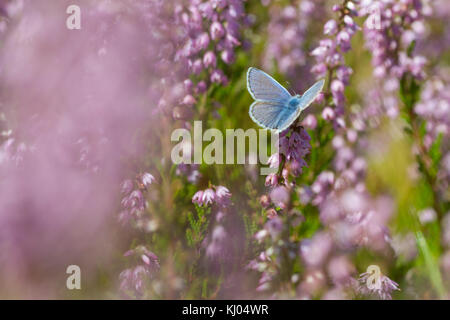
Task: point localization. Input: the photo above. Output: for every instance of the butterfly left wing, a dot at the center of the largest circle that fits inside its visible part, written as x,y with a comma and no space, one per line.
265,88
272,115
310,95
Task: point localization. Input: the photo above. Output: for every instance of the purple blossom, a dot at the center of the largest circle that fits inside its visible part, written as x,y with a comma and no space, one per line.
287,39
434,108
389,56
340,270
272,179
209,59
198,198
227,56
264,200
208,197
217,246
133,281
217,31
314,251
210,29
223,195
280,196
126,186
219,195
330,60
385,290
274,227
310,122
330,27
217,76
147,179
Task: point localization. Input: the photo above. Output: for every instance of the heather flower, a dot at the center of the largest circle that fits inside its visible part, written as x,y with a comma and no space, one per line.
198,198
314,251
134,280
261,235
314,281
389,56
217,30
328,114
127,186
133,201
190,171
330,27
310,122
274,160
434,108
208,197
223,195
427,215
280,196
210,29
147,179
146,256
287,42
189,100
217,76
322,186
227,56
340,269
274,226
264,200
209,59
216,247
271,213
330,60
385,290
294,146
357,220
219,195
272,179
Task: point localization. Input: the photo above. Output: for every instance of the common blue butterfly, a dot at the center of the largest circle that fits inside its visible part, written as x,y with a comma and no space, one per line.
275,108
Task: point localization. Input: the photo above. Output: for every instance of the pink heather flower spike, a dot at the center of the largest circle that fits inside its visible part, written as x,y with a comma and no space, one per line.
147,179
197,198
223,195
208,196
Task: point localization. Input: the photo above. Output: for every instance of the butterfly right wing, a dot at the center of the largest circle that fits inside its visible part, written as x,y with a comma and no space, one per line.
269,115
265,88
311,94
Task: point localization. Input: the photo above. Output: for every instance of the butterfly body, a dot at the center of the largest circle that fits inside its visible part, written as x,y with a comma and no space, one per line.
275,108
294,101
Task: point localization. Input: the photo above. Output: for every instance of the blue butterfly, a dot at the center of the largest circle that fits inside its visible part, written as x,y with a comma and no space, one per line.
275,108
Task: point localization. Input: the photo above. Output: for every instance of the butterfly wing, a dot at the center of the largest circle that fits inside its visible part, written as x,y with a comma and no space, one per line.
265,88
271,115
310,95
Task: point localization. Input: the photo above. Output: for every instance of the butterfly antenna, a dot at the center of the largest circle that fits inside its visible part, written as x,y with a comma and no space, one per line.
290,89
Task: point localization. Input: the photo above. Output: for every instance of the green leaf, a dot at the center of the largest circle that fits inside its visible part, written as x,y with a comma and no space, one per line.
435,151
431,265
411,47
